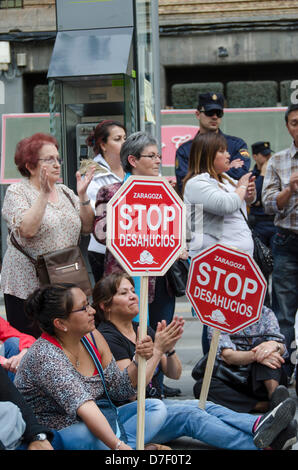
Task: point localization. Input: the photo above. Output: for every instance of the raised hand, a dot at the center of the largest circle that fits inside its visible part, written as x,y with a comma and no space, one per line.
166,336
83,183
44,181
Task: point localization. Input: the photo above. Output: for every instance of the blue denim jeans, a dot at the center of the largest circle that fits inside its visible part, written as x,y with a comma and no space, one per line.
78,436
11,348
216,425
285,282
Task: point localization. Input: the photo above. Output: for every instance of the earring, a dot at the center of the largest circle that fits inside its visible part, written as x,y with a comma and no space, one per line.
65,329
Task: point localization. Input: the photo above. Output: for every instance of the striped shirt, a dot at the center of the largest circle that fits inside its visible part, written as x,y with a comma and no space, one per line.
277,177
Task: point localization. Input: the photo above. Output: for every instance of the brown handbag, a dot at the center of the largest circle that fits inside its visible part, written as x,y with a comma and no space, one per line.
66,265
61,266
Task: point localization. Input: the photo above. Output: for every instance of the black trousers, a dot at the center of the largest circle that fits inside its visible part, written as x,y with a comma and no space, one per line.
242,397
16,316
97,262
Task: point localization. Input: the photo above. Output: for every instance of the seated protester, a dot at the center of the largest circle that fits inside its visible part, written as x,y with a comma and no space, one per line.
19,428
13,346
67,372
256,356
117,305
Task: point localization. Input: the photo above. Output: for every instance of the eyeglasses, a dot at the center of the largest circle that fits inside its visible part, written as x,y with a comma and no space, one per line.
211,112
154,156
82,309
52,160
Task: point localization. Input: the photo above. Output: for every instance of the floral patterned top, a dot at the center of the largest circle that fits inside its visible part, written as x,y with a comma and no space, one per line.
267,326
55,389
60,228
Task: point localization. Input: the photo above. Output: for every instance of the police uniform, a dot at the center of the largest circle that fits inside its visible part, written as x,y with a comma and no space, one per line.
237,148
262,222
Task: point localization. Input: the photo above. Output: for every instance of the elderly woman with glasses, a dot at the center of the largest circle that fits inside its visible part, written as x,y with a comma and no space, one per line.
43,216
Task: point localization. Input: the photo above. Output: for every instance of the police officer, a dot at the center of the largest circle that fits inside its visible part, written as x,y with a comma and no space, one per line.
261,222
209,113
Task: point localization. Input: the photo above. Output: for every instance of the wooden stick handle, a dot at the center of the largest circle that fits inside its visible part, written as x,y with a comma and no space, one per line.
142,364
209,369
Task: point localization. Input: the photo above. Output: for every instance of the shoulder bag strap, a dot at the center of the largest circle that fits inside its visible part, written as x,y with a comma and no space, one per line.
97,364
72,203
19,247
100,371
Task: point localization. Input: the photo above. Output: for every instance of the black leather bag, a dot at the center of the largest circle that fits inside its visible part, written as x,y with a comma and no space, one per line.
262,253
221,370
177,276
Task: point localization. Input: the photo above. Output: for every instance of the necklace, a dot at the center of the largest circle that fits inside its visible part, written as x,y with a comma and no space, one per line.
76,357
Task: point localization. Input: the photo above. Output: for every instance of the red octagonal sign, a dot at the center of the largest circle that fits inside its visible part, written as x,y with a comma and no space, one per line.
226,288
146,225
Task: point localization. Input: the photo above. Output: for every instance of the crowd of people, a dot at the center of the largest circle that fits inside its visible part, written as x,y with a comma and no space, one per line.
70,362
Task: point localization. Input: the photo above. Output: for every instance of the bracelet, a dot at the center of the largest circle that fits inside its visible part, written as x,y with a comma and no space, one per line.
85,203
242,186
170,353
118,445
134,361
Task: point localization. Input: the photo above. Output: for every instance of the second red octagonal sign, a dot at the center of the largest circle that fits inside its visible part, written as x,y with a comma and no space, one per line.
146,225
226,288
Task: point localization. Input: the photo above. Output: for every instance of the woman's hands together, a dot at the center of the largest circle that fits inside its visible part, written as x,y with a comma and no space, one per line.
166,336
266,354
13,362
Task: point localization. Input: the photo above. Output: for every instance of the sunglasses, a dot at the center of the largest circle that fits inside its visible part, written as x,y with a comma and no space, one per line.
211,112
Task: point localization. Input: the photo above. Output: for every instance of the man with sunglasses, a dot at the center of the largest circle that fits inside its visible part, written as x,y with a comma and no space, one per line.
209,113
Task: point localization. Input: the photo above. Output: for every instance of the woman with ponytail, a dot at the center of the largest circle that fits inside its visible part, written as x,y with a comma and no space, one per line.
106,141
70,368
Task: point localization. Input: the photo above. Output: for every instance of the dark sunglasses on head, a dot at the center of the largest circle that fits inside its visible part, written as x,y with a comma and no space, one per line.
211,112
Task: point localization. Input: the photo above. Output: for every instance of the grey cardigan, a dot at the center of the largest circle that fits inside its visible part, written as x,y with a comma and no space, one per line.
205,190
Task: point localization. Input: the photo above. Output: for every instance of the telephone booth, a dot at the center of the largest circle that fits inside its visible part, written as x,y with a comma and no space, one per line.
104,65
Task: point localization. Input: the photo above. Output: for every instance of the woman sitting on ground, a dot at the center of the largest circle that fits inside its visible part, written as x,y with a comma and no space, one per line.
60,378
254,357
116,304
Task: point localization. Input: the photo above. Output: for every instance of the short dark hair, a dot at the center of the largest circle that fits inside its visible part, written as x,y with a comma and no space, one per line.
134,145
292,107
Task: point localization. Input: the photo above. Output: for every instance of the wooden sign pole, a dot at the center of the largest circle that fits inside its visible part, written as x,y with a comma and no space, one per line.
209,368
142,364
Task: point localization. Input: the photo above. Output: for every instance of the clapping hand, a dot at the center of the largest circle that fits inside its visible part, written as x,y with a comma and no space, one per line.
83,183
237,163
294,182
166,336
44,180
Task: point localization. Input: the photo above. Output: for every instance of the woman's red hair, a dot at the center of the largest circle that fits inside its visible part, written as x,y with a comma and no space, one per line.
27,151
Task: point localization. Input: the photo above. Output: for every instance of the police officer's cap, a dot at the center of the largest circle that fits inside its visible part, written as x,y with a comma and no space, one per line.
208,101
261,147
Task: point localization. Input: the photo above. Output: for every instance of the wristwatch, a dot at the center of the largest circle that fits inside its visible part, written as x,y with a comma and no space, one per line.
40,437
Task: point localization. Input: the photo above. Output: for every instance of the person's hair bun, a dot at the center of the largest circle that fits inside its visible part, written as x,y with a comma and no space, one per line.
90,140
34,304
